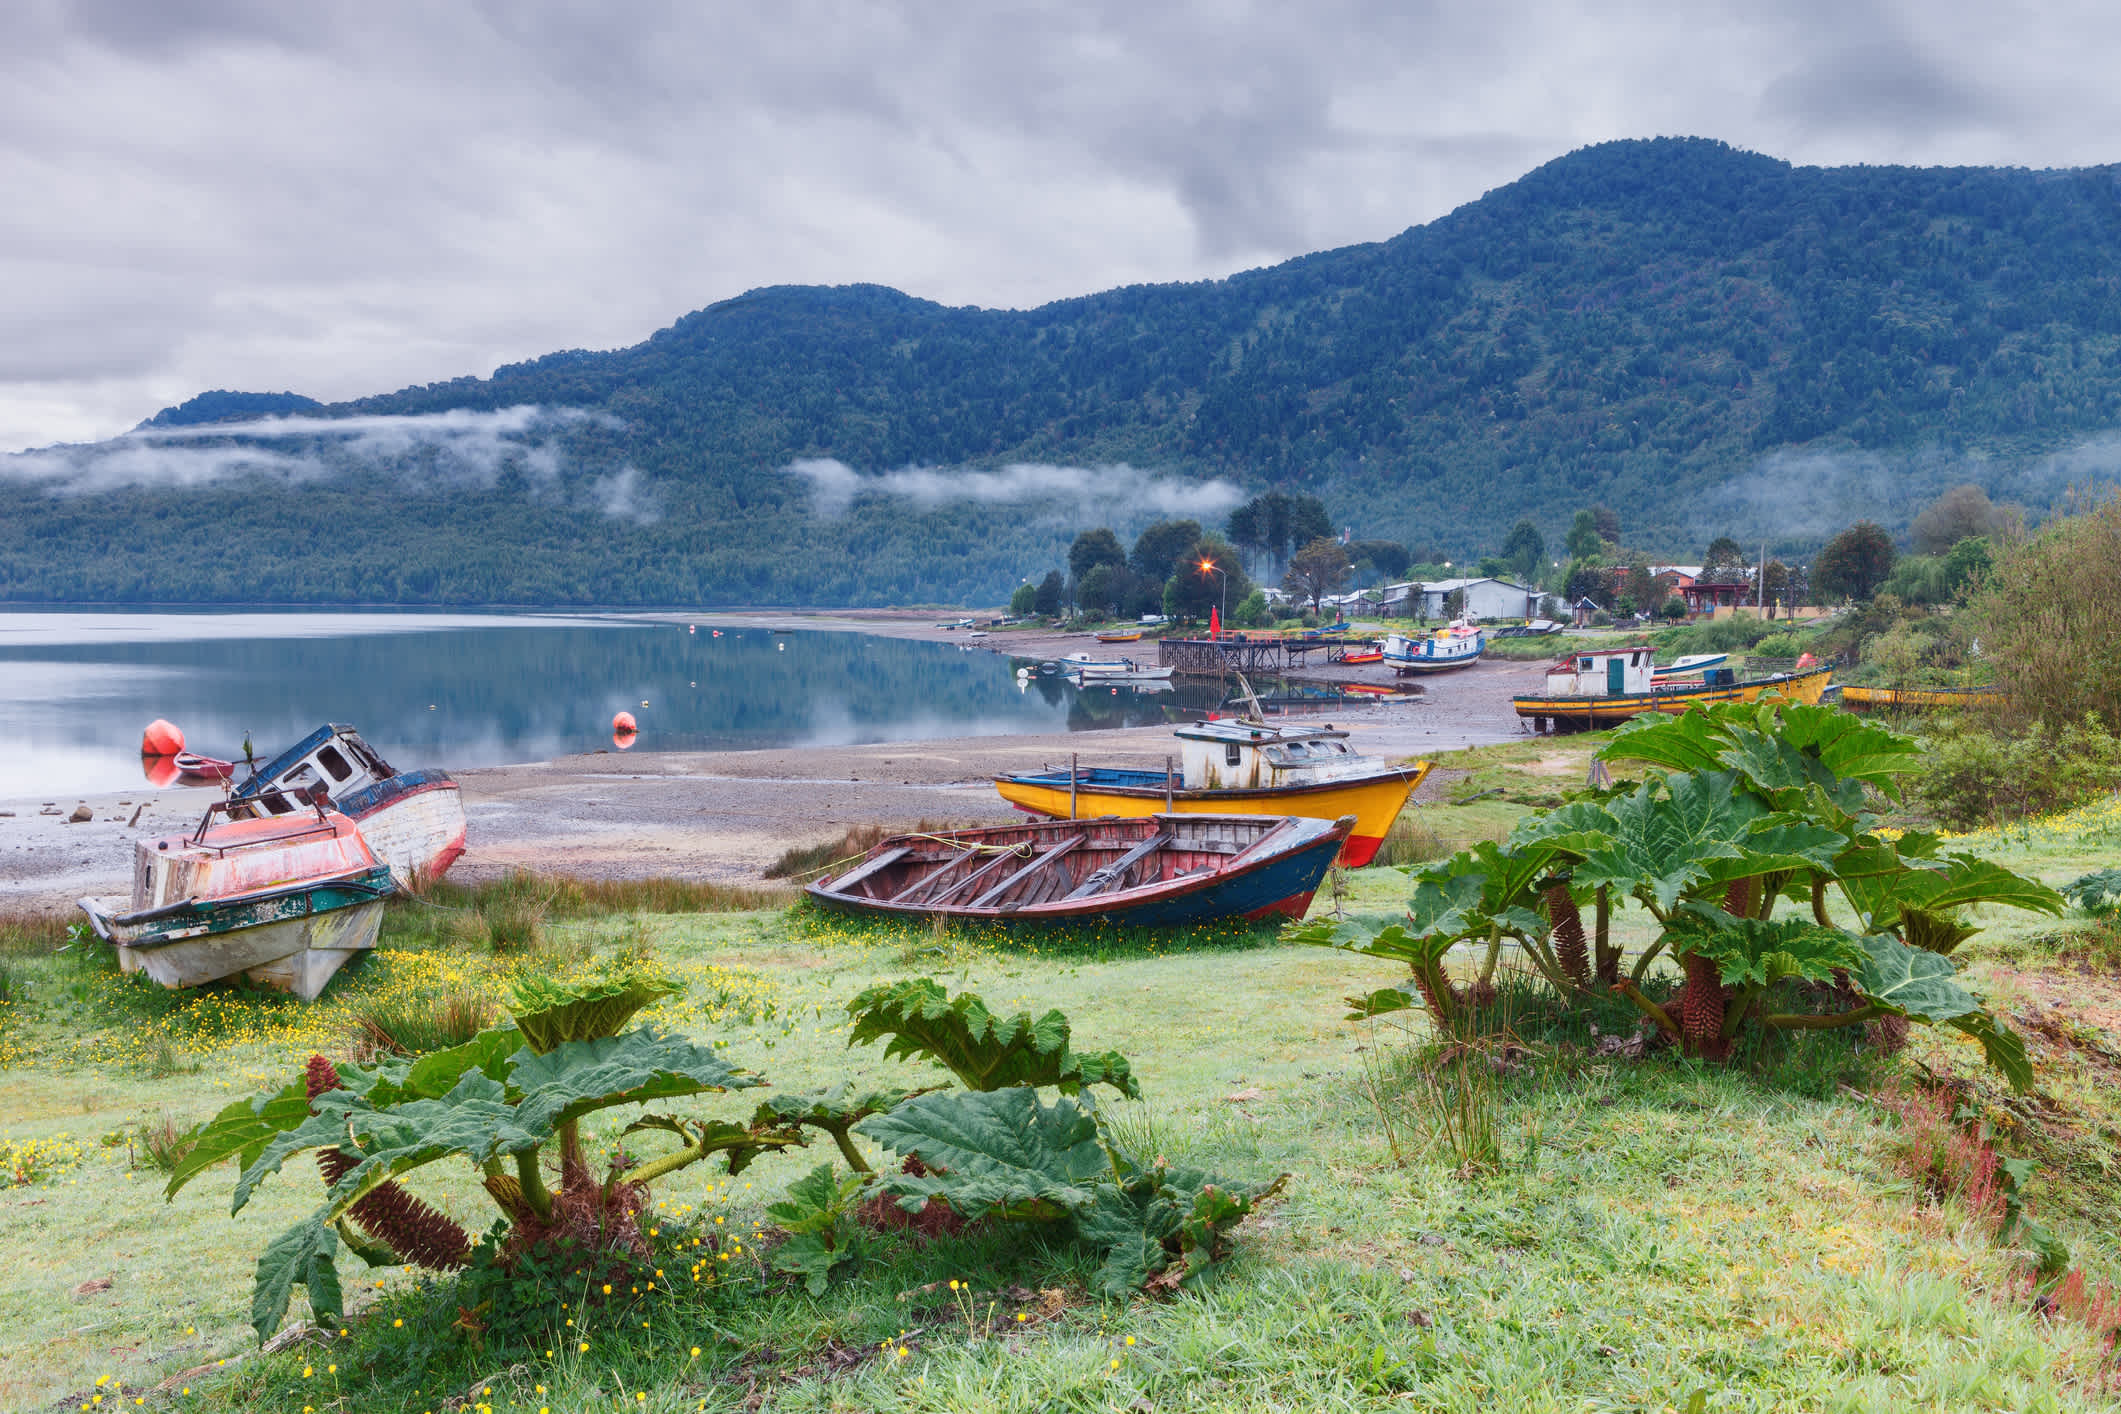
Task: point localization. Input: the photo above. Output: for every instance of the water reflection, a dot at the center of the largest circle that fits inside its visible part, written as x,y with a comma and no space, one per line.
76,689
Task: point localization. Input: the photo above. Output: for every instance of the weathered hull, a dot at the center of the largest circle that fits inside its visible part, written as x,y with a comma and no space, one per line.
1374,801
1918,699
1608,711
293,939
414,822
1187,882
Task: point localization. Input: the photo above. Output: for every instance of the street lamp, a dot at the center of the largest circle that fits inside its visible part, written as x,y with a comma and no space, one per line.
1208,566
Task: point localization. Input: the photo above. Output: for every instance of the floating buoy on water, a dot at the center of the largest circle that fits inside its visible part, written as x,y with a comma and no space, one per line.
692,628
624,722
717,633
161,739
624,740
782,647
161,771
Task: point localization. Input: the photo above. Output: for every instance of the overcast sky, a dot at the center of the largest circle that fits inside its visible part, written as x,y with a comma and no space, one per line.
346,198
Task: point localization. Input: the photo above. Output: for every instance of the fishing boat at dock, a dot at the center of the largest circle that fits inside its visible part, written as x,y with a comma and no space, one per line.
1161,869
413,820
1603,687
1240,766
283,900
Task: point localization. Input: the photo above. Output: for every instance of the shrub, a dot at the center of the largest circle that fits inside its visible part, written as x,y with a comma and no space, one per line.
2049,618
1980,773
1713,635
1674,608
1782,645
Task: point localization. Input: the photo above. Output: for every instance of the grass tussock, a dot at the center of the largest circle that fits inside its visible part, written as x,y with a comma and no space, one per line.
33,934
1410,841
800,863
415,1025
162,1142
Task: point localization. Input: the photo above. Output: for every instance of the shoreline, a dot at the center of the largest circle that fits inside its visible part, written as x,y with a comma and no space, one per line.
724,816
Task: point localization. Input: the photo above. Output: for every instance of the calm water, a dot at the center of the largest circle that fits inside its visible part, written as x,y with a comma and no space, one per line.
466,690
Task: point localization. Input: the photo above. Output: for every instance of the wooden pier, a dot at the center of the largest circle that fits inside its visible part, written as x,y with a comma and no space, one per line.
1216,657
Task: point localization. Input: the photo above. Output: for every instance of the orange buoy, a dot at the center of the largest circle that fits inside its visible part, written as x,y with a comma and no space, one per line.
161,771
624,722
161,739
624,740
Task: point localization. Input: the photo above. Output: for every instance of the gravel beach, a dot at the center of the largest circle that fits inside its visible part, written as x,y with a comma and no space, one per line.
724,816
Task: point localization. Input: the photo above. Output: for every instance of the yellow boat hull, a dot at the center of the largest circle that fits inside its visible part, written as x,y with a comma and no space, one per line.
1374,801
1918,699
1607,711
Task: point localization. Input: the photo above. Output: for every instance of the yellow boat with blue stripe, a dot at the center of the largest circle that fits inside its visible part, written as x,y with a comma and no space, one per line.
1238,767
1604,687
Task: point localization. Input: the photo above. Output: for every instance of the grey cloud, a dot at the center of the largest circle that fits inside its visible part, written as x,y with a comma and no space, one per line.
437,451
1117,491
345,201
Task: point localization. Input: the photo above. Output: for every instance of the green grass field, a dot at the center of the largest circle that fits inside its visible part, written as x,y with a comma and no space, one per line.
1657,1234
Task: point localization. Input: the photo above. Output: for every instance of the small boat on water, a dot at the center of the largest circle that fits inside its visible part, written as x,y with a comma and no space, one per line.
1689,665
1458,646
1091,669
284,900
1603,687
1534,628
1240,766
413,820
1917,699
194,769
1120,635
1158,869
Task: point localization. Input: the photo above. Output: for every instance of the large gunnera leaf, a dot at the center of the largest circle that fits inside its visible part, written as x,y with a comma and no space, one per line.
1662,842
240,1131
2004,1048
1165,1219
984,1051
1921,986
1751,952
304,1256
994,1152
554,1010
580,1077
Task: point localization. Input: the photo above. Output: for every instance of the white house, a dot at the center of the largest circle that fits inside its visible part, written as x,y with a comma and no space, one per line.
1484,598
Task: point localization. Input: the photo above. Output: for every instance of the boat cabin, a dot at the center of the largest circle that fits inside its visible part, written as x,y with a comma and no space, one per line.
1616,672
333,757
1240,755
240,856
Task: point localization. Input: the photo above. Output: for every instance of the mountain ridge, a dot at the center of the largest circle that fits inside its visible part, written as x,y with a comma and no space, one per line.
1667,325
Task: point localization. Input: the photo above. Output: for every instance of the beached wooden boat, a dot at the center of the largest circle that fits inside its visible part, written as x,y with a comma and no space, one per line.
1605,687
194,769
413,820
1370,655
283,900
1120,635
1238,767
1917,699
1159,869
1458,646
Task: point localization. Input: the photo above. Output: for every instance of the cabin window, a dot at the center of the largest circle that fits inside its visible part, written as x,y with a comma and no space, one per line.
1583,665
330,759
1231,754
276,804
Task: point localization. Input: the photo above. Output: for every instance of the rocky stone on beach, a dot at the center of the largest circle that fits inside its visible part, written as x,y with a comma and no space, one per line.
81,816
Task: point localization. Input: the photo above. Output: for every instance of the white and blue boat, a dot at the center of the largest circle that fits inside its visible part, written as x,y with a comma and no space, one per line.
1458,646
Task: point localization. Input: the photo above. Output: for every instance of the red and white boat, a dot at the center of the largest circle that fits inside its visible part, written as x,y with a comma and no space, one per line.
413,820
284,900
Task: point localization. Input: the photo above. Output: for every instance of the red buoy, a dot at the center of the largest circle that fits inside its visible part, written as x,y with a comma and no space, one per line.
624,722
624,740
161,739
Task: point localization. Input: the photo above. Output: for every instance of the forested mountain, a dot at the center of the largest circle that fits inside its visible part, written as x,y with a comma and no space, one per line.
1703,339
